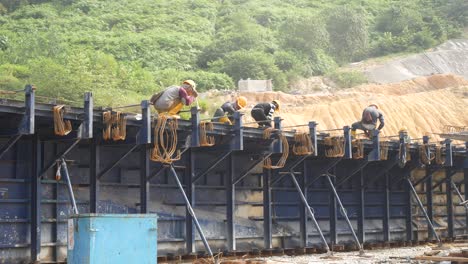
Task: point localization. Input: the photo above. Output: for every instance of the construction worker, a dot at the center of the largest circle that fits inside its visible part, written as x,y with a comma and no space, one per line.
263,112
173,98
404,133
229,108
368,123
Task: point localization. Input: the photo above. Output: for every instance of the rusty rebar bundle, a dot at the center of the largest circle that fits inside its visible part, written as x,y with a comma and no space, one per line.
302,144
205,140
165,140
267,164
61,127
115,126
335,146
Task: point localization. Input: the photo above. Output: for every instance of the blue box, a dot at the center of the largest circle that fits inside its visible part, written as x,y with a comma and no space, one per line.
112,238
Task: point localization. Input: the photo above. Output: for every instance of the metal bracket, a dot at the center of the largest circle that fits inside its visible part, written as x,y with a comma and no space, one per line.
276,145
348,151
87,126
448,153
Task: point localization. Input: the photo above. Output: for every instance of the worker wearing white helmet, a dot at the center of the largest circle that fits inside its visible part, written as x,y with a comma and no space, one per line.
368,122
229,108
173,98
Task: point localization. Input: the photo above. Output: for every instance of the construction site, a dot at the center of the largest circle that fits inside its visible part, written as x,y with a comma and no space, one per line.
303,191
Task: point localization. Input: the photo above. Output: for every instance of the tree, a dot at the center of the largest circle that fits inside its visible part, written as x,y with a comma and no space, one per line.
348,33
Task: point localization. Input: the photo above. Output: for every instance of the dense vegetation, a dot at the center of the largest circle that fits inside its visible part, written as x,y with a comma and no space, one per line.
123,50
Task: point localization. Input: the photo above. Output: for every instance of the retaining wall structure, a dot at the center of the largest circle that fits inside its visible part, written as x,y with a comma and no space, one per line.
237,204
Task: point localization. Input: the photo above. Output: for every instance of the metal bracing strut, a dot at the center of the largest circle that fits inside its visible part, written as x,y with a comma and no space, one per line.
421,206
343,213
190,210
462,200
309,209
64,171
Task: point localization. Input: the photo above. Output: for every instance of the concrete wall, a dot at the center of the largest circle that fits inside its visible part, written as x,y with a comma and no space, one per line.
255,85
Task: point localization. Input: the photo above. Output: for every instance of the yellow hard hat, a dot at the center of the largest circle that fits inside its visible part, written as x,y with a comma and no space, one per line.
375,105
278,103
403,129
191,83
241,102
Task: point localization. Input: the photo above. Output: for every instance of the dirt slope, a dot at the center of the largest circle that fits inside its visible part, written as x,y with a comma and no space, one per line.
423,105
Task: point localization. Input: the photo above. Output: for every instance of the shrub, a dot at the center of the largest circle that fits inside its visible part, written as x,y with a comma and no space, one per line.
347,79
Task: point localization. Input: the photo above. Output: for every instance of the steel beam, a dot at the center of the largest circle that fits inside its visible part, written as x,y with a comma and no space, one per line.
36,158
303,232
333,215
27,125
87,124
238,142
144,135
115,163
94,168
348,147
362,206
190,210
210,168
190,198
230,204
374,155
267,209
313,136
409,210
386,215
195,121
450,212
429,199
465,181
145,153
344,214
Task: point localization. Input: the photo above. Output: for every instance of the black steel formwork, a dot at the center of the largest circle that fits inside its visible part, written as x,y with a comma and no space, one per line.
239,205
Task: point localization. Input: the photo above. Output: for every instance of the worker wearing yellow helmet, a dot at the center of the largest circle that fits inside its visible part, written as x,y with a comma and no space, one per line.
173,98
229,108
368,122
263,112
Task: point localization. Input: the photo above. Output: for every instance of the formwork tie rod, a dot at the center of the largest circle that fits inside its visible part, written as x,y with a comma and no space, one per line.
343,212
191,212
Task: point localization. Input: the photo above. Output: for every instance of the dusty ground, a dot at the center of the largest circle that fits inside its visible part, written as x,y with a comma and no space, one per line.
394,255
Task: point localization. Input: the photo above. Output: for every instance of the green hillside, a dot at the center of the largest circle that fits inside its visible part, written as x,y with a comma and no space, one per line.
124,50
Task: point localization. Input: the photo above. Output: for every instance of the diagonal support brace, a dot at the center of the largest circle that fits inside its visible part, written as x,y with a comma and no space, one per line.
190,210
9,144
343,212
106,170
421,206
250,169
309,209
59,157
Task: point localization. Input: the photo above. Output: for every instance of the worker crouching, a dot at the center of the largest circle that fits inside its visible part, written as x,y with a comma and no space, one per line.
173,98
229,108
263,113
368,122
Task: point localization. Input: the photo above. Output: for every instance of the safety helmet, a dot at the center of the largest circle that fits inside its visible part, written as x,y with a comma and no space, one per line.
191,83
241,102
403,129
278,104
374,105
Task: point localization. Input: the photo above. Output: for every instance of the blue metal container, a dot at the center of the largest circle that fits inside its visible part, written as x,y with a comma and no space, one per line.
112,238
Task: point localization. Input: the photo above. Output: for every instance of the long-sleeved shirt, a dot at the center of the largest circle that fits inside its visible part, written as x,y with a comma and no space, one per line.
268,109
370,115
171,97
